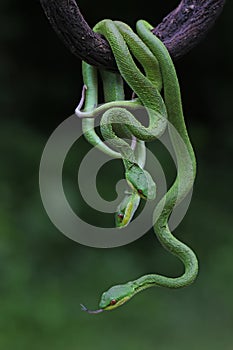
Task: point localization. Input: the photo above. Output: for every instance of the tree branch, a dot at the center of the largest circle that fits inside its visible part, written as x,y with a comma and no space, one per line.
180,30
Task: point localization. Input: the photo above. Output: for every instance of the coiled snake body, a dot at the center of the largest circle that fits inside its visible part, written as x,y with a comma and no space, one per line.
159,74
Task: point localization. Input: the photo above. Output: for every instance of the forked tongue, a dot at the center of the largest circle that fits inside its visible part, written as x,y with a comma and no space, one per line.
91,311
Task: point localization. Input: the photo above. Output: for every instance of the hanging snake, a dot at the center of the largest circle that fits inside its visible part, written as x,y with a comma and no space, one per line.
161,74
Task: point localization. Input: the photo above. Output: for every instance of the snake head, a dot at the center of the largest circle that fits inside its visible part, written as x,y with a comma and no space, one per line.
141,181
116,296
126,209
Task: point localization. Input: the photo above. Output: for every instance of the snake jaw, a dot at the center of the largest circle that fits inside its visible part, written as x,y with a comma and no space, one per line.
84,308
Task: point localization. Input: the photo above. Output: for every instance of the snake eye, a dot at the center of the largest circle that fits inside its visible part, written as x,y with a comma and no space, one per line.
113,302
140,192
120,216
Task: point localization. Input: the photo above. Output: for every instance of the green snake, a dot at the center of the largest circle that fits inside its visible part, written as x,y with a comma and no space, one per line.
113,91
117,35
149,96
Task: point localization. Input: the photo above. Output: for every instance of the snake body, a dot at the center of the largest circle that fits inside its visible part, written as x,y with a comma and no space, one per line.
149,95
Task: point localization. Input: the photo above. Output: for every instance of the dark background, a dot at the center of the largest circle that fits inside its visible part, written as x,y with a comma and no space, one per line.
44,275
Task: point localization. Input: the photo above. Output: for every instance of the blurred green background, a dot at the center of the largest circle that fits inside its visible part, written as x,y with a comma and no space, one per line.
43,275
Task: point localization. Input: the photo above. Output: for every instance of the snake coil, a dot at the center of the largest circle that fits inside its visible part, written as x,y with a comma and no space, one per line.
159,75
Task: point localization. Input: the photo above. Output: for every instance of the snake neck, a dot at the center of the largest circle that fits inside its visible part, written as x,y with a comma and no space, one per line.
154,280
128,163
143,282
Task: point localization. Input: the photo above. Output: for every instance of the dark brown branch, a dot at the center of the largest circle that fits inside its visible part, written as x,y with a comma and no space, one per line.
180,31
188,24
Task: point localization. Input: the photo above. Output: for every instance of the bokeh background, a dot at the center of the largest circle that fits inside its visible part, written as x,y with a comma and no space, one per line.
43,274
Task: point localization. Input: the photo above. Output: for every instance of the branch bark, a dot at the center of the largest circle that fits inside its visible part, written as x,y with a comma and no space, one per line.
180,30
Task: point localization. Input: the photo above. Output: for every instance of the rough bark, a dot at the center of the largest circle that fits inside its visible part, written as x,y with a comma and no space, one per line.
180,30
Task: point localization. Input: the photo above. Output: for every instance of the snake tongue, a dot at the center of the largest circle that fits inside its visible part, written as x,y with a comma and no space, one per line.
91,311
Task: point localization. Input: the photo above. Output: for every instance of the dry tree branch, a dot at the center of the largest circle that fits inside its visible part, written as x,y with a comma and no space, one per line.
180,30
